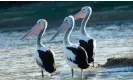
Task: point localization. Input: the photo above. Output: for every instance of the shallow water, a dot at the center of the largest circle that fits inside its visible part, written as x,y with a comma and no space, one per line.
17,61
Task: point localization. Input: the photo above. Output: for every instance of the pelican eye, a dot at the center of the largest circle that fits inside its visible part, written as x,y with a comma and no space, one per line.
66,20
83,9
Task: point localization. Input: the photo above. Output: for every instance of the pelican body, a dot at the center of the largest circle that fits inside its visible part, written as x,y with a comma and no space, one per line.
86,41
44,56
76,56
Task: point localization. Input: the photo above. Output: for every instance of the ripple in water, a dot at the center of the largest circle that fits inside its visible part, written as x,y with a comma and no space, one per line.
17,61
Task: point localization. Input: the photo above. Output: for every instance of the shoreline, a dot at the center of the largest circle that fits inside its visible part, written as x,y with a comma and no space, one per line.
96,18
26,15
119,61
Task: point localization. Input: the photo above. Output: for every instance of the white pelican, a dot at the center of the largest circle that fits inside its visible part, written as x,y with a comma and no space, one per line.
44,56
76,56
86,41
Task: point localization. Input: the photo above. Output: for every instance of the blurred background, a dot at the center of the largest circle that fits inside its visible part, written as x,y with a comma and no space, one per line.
26,13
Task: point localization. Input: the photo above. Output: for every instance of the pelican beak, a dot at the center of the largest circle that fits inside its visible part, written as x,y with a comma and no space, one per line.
79,15
62,29
35,30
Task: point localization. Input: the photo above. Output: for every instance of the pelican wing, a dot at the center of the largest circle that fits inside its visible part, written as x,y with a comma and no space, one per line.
81,56
88,46
47,59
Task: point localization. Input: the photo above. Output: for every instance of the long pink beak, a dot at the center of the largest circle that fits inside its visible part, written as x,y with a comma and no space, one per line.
35,30
62,29
79,15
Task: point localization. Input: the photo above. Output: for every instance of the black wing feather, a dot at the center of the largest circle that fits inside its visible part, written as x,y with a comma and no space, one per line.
88,46
81,57
47,60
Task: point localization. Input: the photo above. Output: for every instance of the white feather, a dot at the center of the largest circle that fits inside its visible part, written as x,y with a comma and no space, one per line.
94,44
70,55
38,58
43,48
85,38
36,55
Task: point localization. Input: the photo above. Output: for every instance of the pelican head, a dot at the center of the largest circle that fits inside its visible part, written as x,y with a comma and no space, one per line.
86,10
39,26
68,22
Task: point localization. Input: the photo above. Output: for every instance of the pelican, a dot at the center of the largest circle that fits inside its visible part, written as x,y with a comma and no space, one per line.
86,41
44,56
76,56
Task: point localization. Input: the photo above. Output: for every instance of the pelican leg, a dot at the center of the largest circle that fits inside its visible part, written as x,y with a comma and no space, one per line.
72,72
81,73
93,64
42,73
51,75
